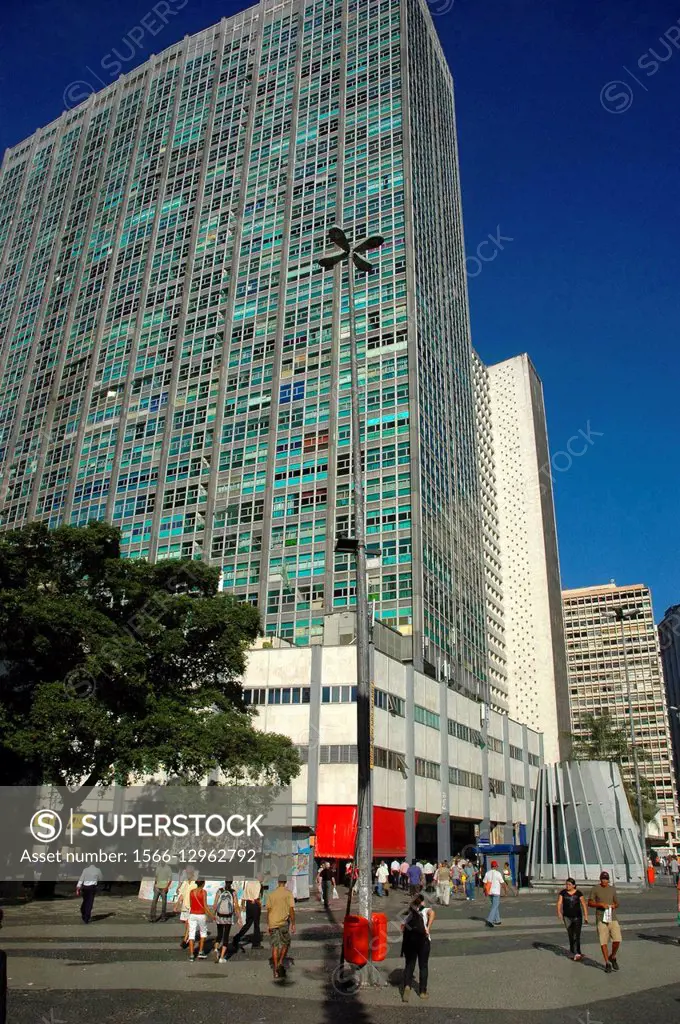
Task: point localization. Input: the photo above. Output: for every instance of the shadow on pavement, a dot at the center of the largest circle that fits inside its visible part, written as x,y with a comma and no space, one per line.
561,951
666,940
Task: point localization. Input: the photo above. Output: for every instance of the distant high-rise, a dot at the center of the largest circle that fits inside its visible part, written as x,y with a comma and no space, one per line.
527,541
597,657
493,569
174,360
669,644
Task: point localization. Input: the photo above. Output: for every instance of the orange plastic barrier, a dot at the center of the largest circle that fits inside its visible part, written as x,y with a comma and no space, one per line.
378,937
355,940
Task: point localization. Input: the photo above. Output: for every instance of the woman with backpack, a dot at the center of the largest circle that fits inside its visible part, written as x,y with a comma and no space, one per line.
225,907
415,946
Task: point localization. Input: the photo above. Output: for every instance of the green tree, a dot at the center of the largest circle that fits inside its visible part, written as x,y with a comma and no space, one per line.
601,739
115,667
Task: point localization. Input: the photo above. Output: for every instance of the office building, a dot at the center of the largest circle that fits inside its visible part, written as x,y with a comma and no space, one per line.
493,570
600,650
669,645
439,771
176,362
531,591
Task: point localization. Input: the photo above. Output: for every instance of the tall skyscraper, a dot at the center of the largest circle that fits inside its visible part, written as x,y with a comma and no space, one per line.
534,635
669,644
597,660
175,361
493,569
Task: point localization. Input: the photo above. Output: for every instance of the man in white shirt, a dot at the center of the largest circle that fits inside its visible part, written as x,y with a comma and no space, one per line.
494,886
394,873
428,871
381,876
87,885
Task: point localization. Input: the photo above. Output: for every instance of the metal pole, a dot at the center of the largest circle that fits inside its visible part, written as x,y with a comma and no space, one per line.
638,791
364,794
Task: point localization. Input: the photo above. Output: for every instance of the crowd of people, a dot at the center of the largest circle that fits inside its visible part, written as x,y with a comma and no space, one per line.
458,877
226,910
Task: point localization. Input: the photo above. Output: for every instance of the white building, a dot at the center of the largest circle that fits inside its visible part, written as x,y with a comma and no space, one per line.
493,572
534,634
440,770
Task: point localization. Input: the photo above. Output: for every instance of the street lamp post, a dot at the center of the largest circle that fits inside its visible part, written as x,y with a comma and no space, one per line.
623,614
353,256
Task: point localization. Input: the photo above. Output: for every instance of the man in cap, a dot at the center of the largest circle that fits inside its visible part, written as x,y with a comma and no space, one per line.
494,886
280,924
604,899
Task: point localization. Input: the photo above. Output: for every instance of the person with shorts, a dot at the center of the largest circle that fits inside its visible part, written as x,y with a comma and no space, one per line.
604,899
182,904
199,913
280,924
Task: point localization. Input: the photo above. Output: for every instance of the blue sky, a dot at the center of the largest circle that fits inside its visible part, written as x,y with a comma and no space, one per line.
589,284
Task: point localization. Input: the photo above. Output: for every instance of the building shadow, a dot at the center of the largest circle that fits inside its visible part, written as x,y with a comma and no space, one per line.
550,947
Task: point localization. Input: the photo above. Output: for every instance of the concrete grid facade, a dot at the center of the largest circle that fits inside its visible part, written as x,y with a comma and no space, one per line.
175,362
597,677
534,636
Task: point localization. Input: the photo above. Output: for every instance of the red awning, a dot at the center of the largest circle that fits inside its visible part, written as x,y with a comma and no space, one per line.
389,832
336,826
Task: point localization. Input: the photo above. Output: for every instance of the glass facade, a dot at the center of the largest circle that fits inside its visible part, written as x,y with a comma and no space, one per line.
175,361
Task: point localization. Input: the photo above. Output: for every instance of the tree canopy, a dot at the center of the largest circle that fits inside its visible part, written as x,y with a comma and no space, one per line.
114,667
603,740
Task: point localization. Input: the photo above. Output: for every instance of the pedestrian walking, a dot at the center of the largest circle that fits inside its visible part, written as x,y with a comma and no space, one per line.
457,875
415,878
674,868
183,904
604,899
87,886
415,946
381,876
494,888
677,889
467,880
326,882
252,899
572,910
199,912
161,885
442,877
428,871
280,924
225,907
403,874
394,873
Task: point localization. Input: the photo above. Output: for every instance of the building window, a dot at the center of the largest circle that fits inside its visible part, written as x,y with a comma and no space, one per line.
517,792
426,717
516,752
338,694
427,769
390,759
338,754
389,702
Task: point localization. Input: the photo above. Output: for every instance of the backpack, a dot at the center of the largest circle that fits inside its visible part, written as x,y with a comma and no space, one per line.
225,906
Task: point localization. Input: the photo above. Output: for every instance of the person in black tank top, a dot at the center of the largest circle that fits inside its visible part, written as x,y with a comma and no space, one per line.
572,909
